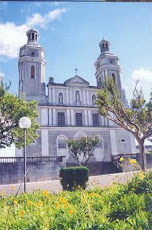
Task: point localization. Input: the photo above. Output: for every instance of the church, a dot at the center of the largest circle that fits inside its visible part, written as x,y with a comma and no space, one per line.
68,110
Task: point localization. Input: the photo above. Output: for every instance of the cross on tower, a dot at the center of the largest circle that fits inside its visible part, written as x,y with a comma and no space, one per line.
76,70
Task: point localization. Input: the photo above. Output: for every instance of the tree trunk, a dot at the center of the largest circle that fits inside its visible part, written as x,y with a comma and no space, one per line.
142,156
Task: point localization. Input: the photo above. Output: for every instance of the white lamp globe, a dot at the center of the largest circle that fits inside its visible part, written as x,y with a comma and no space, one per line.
24,123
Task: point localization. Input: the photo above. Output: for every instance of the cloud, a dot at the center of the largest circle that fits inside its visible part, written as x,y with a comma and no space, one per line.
42,21
145,79
142,74
12,36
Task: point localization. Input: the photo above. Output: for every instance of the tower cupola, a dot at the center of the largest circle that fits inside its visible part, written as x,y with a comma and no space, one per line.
104,46
32,36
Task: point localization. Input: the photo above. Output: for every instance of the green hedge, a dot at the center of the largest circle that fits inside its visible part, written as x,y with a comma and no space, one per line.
73,177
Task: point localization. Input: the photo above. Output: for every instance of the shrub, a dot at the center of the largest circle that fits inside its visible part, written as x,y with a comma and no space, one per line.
127,206
141,183
73,177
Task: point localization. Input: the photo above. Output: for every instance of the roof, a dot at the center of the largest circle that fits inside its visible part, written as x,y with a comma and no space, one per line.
31,30
72,80
76,77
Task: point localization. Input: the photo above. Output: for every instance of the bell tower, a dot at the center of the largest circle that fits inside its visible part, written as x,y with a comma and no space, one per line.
107,65
31,66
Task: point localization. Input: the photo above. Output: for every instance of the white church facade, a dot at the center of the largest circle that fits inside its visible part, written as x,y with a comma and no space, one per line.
68,110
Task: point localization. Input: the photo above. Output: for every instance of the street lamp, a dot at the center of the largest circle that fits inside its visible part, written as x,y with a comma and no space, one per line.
25,123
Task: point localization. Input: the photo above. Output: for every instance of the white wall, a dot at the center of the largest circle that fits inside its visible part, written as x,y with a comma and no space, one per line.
8,151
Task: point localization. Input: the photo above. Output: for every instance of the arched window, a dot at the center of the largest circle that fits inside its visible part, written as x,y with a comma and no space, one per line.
77,96
103,47
32,71
114,78
123,140
32,36
60,98
99,82
79,134
106,46
93,99
62,142
100,144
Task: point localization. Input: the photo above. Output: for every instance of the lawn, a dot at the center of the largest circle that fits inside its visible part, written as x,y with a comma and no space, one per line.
120,206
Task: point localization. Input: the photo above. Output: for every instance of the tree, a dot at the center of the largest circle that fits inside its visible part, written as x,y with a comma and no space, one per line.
136,118
83,149
11,110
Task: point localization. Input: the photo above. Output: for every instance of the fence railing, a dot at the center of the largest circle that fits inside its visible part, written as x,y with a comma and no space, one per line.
4,160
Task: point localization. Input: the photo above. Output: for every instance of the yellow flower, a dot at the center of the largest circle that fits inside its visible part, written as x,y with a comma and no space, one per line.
63,200
12,187
45,192
70,212
141,176
132,161
21,212
15,202
39,203
83,200
66,206
57,206
121,159
29,202
92,194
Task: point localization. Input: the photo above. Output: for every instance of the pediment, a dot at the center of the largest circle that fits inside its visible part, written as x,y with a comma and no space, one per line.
76,80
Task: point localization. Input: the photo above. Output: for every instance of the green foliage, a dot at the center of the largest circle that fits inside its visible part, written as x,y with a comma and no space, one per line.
11,110
126,206
73,177
141,183
135,118
114,208
83,148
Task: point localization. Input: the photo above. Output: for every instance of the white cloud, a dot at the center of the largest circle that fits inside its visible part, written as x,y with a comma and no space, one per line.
142,74
42,21
12,37
145,79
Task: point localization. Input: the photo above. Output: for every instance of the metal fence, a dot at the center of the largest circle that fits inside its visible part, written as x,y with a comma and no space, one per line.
4,160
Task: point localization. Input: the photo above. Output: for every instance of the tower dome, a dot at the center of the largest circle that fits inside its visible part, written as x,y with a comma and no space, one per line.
104,46
32,36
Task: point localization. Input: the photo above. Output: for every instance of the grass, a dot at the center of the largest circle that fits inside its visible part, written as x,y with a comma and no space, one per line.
118,207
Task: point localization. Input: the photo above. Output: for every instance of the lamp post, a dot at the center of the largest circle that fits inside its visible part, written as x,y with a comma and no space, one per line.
25,123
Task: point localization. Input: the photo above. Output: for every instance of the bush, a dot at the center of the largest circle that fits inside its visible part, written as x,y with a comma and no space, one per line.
73,177
141,183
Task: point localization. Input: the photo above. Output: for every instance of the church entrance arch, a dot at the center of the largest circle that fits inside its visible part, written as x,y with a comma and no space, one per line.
62,146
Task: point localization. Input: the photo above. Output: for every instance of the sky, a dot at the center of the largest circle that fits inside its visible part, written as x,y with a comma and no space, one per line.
70,34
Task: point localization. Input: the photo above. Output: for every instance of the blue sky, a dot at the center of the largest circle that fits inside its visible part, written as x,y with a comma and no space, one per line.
70,34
